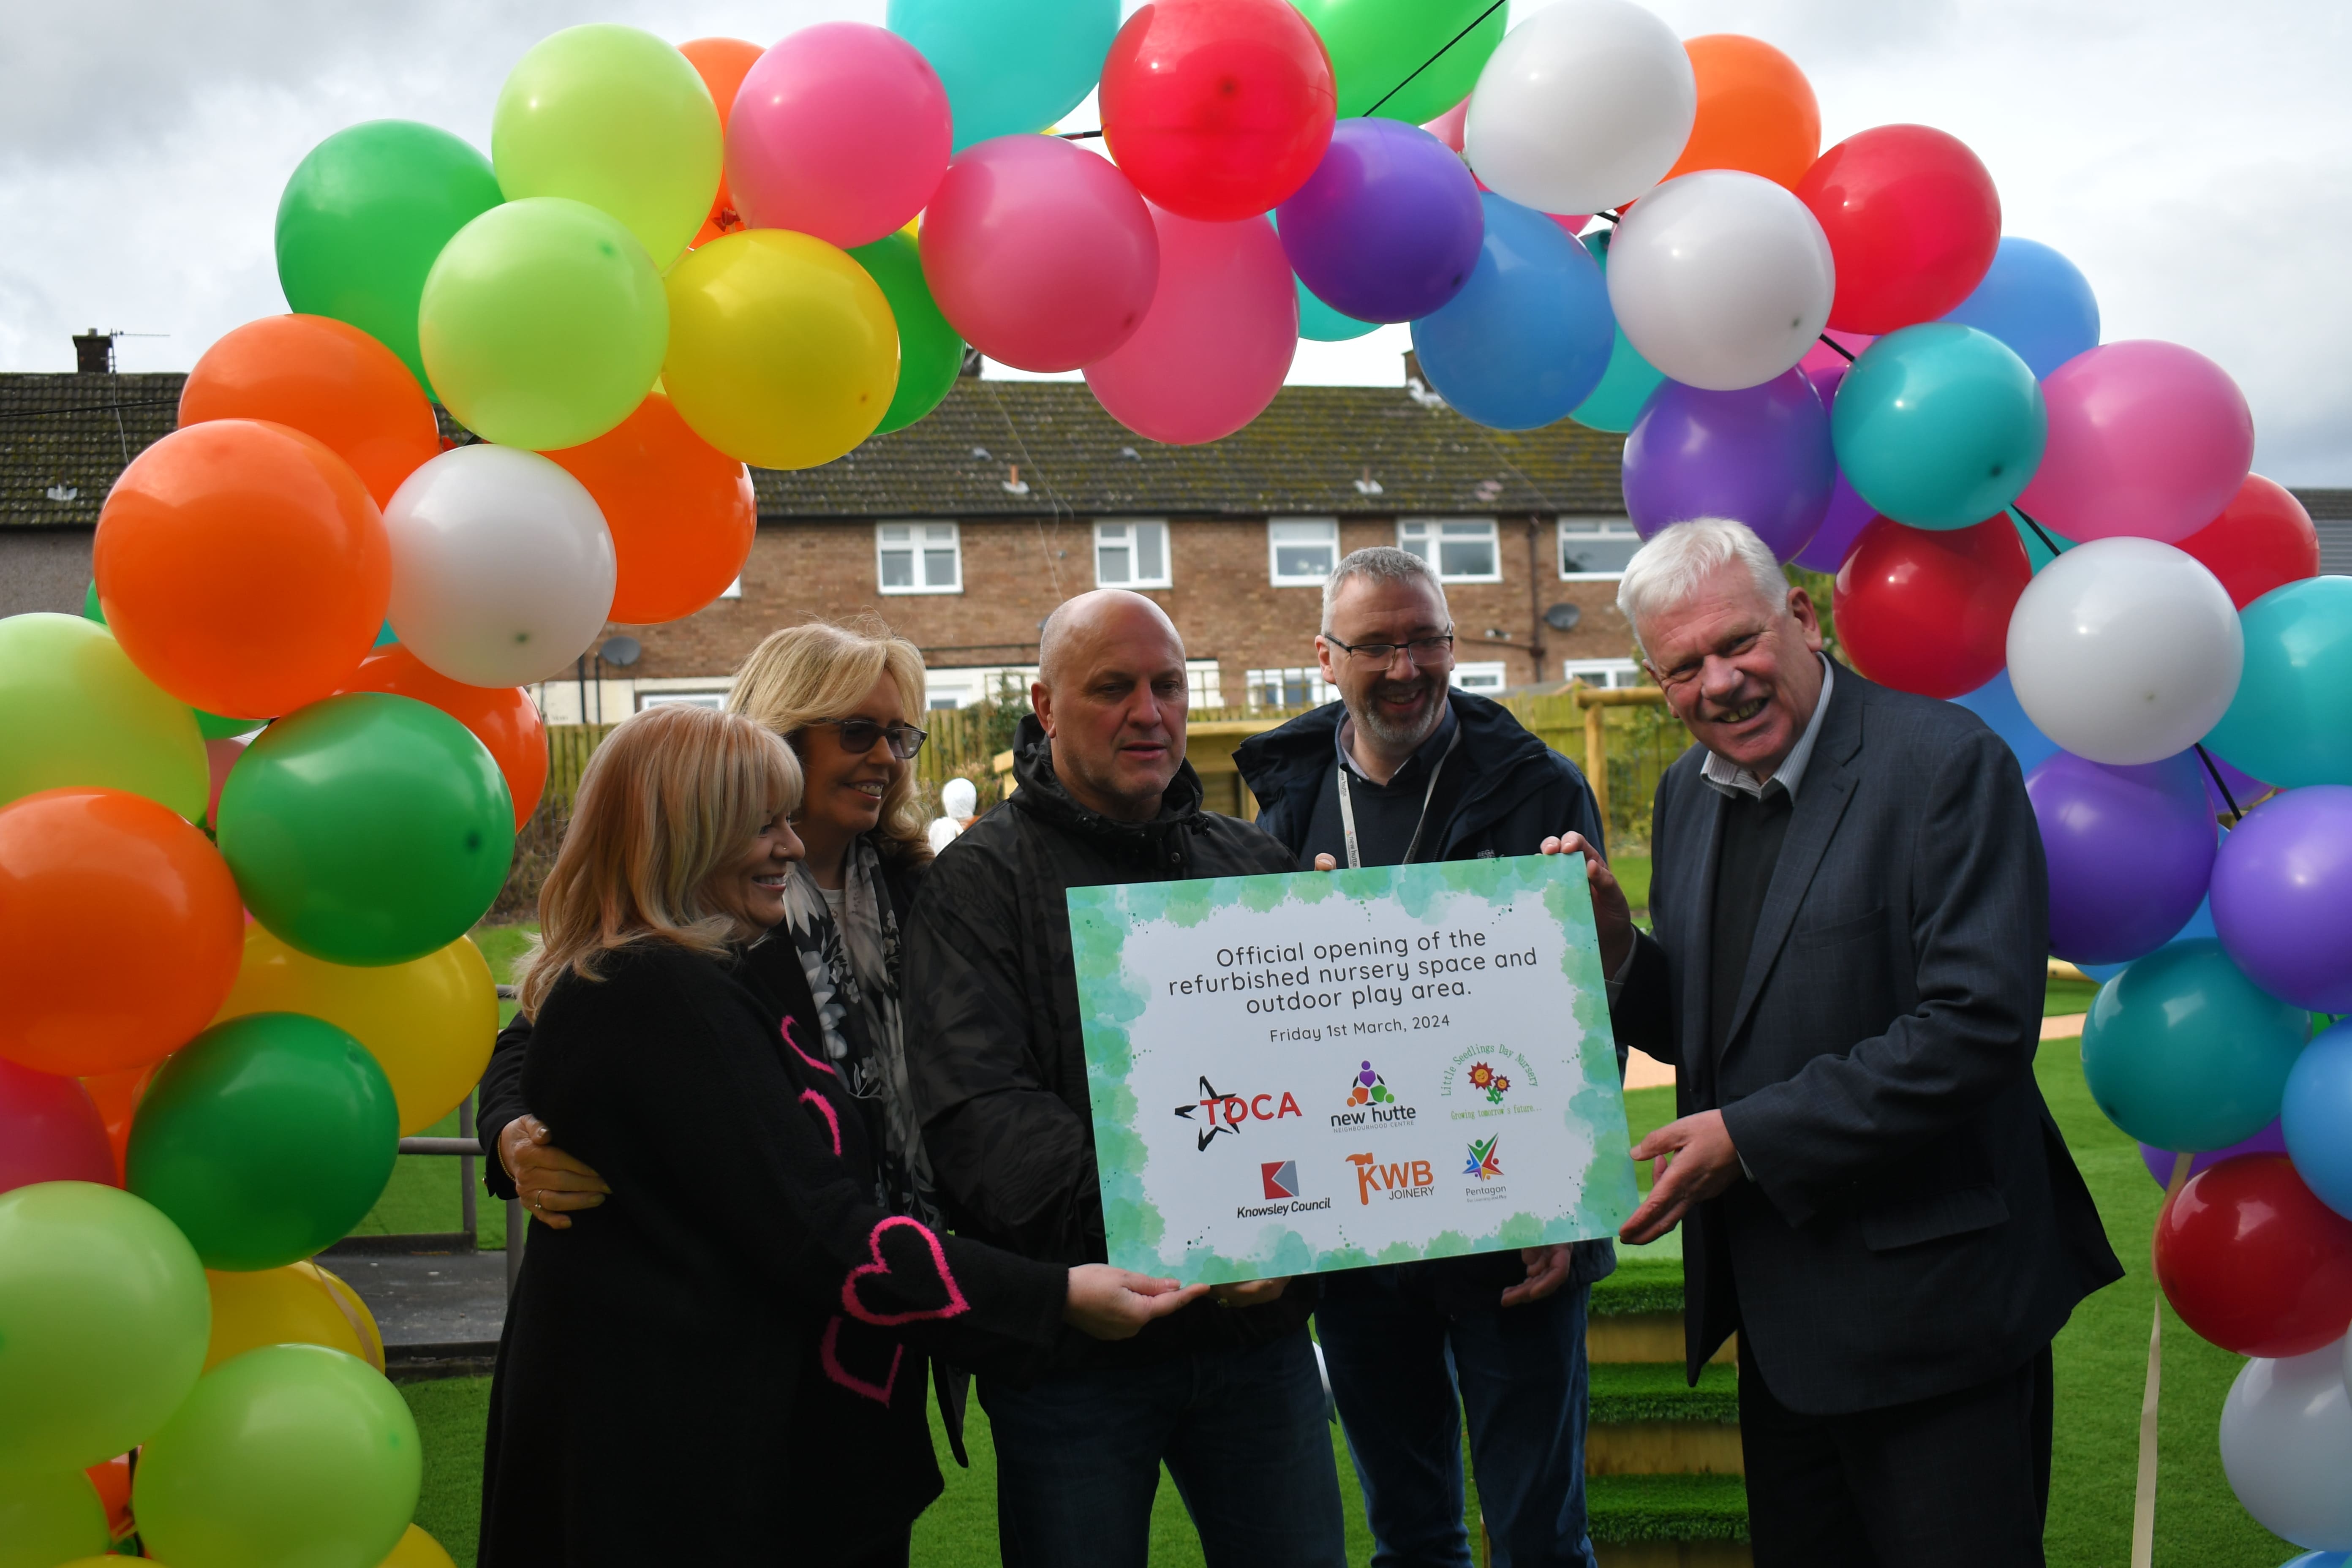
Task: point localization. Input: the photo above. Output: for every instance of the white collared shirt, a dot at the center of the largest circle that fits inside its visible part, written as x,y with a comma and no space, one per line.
1732,779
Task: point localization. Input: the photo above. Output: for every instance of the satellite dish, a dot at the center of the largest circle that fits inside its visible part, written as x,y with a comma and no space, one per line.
620,652
1563,617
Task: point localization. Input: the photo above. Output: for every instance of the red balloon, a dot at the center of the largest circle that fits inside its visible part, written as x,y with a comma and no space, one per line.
503,718
50,1132
2262,540
2253,1262
1218,109
1913,221
1928,610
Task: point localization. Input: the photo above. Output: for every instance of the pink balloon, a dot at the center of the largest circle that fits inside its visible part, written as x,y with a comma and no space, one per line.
1822,359
1040,255
1218,339
1447,127
2145,439
841,130
219,757
50,1130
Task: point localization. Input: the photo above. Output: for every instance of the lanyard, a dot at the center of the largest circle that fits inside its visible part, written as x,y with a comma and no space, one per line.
1348,806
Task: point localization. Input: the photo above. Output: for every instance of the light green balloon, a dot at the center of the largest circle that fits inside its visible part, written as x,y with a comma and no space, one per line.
49,1517
614,117
211,726
285,1455
1378,44
103,1319
74,709
543,324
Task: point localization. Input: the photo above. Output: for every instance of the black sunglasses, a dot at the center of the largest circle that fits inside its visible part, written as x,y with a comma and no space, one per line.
858,735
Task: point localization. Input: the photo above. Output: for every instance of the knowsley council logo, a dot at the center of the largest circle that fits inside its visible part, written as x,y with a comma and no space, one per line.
1215,1112
1280,1178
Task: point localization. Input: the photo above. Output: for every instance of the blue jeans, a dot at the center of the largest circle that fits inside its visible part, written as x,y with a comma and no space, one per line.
1243,1433
1405,1372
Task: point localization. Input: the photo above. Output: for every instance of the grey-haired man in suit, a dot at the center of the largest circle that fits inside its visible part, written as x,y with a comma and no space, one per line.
1849,919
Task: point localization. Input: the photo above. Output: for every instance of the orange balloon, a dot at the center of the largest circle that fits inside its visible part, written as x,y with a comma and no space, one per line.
112,1480
243,566
722,63
116,1094
89,877
325,378
1755,111
502,717
680,511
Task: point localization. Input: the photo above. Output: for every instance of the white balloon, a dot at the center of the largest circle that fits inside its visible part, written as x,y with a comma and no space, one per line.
1581,106
2286,1446
1720,279
2125,651
501,566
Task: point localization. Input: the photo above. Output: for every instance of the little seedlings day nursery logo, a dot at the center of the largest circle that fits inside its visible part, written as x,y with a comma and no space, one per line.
1480,1081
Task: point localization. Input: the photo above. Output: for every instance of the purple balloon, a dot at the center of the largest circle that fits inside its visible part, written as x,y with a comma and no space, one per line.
2283,897
2269,1141
1760,455
2130,852
1389,227
2244,787
1848,515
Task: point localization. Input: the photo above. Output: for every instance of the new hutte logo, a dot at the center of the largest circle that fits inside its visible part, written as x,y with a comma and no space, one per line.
1370,1099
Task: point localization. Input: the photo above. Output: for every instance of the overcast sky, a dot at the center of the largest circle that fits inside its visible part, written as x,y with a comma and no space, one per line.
2194,160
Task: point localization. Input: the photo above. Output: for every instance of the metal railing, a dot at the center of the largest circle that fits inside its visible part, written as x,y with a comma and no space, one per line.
467,1148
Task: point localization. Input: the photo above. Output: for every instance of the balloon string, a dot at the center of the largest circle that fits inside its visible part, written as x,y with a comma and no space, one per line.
1440,55
2236,815
89,408
1832,343
1079,135
2022,515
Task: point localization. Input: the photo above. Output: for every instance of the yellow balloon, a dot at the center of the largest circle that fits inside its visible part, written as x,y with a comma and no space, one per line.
429,1024
288,1306
357,1311
418,1550
783,351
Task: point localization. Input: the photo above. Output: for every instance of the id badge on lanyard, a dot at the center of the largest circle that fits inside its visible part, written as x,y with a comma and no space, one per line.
1347,807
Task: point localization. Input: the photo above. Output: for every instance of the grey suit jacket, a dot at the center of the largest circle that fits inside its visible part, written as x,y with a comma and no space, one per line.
1915,1224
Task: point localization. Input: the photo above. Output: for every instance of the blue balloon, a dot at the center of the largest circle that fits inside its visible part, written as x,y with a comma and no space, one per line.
1615,404
1528,338
2320,1560
2315,1114
1996,703
2198,929
2291,722
2036,301
1009,66
2183,1052
1939,425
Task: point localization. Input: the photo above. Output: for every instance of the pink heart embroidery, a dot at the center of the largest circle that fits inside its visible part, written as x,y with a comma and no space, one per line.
879,1269
825,1110
795,1045
829,1358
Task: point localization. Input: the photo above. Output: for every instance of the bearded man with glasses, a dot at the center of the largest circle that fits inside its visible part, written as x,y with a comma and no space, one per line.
1403,769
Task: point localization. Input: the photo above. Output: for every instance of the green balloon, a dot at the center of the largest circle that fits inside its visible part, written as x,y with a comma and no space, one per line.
364,218
103,1319
49,1517
285,1455
931,355
265,1139
543,324
74,709
1616,402
367,829
211,726
1377,45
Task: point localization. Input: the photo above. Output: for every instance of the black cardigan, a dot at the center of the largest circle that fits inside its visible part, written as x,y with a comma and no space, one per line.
737,1329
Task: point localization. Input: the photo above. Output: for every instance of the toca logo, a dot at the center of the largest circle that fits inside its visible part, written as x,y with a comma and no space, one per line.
1226,1112
1400,1179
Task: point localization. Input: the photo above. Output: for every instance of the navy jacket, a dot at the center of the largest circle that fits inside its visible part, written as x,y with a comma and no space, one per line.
1518,793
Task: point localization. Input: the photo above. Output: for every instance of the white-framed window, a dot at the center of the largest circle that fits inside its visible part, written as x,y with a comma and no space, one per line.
1595,549
918,557
714,701
1132,554
968,687
1301,551
1294,687
1463,549
1607,674
1482,676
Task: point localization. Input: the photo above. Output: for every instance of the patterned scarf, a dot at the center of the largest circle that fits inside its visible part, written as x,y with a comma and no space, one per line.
852,967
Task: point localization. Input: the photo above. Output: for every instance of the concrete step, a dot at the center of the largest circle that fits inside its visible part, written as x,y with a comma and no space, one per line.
440,1313
1646,1421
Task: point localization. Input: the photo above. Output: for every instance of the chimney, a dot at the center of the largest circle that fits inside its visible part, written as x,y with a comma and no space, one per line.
94,352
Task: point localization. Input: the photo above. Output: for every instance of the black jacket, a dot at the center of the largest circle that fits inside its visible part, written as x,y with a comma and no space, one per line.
1915,1224
737,1323
995,1056
1515,791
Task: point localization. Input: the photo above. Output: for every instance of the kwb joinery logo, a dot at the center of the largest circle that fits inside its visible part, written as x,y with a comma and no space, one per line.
1400,1179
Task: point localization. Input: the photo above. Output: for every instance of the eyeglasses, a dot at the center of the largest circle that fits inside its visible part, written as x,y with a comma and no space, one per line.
858,735
1425,652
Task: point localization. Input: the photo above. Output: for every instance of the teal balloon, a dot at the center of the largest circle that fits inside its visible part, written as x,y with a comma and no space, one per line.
1939,425
265,1139
364,218
2182,1051
1319,322
385,636
931,355
1616,403
367,829
2037,554
1009,66
211,726
2291,722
